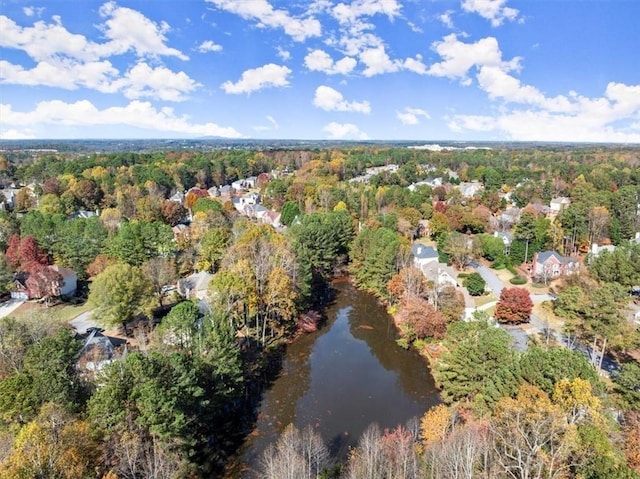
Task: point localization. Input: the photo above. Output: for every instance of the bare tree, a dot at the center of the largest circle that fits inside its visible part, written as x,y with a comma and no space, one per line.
296,455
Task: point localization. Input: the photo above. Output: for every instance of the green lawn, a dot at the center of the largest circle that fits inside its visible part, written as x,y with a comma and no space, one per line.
61,312
487,298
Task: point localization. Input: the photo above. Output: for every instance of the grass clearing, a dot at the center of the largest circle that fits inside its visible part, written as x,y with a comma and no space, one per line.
487,298
60,312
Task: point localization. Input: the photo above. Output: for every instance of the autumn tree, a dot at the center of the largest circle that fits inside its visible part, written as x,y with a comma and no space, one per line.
120,293
24,253
160,272
514,306
212,248
409,281
418,319
435,424
54,445
462,249
531,436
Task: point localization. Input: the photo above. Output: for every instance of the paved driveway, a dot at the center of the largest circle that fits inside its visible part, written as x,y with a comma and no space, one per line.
10,306
83,322
490,278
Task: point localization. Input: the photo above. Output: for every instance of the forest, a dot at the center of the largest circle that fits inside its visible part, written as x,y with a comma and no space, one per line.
167,386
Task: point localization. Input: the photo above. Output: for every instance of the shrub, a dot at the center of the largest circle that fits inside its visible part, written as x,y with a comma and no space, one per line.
518,280
475,284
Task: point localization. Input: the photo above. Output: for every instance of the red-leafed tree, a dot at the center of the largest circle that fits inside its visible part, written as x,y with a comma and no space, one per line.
193,195
43,282
24,254
514,307
418,319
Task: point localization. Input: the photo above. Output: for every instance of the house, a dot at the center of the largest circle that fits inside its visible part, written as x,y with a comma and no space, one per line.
226,191
99,350
9,195
177,197
180,232
509,217
47,281
214,192
85,214
69,283
272,218
432,182
238,185
195,286
558,204
250,199
423,255
469,190
506,239
551,264
596,249
441,274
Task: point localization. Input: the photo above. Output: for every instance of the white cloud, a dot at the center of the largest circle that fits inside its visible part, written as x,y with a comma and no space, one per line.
609,118
319,60
446,20
266,16
125,29
411,116
377,62
415,65
285,55
352,12
493,10
209,46
33,11
43,42
273,125
128,29
329,99
84,114
460,57
270,75
69,75
13,134
158,83
500,85
140,81
344,131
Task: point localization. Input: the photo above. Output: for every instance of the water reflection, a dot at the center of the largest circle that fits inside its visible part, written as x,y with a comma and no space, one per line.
343,378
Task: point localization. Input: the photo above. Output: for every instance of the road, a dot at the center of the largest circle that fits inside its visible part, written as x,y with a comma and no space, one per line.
536,324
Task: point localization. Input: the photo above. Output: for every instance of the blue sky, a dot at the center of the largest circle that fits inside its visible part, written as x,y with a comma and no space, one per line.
469,70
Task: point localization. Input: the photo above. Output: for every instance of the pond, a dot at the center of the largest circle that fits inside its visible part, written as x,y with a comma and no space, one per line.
342,378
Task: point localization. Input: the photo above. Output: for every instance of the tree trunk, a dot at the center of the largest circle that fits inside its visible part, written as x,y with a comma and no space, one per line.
604,345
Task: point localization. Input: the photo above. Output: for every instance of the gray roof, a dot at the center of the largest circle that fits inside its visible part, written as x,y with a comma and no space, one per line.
421,251
545,255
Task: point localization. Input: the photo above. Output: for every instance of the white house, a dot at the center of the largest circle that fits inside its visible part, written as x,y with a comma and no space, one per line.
423,255
559,203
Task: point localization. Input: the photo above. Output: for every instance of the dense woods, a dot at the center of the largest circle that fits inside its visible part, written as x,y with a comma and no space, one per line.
140,229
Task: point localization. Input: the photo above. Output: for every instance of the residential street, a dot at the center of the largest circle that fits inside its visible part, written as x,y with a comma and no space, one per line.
536,325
